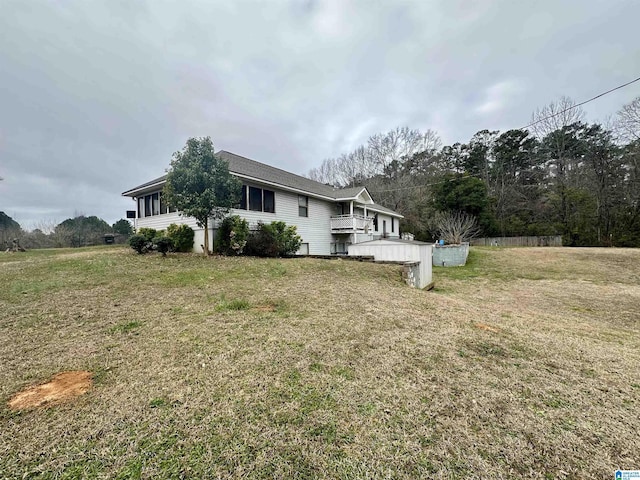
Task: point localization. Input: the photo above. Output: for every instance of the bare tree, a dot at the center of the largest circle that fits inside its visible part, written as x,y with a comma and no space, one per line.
399,145
383,154
456,227
325,173
555,116
628,121
46,226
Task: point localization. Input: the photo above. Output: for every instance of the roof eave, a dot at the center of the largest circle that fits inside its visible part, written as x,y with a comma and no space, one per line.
386,212
143,189
151,187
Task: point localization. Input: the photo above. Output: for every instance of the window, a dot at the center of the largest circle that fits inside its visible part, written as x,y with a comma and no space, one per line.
269,201
153,204
155,200
303,206
384,228
257,199
375,222
147,206
243,198
163,206
392,222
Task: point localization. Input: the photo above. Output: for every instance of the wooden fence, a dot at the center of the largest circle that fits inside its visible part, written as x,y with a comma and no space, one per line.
549,241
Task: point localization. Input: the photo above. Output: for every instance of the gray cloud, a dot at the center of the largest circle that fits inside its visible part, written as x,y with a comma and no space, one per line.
96,96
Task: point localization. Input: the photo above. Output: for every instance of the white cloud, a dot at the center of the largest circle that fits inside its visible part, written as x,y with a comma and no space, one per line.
498,96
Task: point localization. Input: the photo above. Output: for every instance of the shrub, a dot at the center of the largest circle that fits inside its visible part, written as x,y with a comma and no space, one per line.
148,233
261,243
273,240
182,237
140,244
163,245
232,235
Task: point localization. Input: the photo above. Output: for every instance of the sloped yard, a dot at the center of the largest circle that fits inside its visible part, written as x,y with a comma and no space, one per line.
523,364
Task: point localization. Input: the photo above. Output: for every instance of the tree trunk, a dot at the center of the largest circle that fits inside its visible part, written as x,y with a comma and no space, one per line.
205,249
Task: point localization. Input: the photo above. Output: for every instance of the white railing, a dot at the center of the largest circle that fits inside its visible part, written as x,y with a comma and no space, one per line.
351,223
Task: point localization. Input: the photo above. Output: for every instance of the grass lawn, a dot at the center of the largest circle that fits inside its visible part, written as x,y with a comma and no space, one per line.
523,364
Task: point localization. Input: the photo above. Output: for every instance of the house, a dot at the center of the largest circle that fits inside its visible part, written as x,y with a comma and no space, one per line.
328,219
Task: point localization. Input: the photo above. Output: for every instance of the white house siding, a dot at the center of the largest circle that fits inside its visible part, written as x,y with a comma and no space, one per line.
361,237
377,232
161,222
314,229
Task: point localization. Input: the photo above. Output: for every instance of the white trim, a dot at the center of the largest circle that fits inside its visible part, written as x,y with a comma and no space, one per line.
146,189
384,212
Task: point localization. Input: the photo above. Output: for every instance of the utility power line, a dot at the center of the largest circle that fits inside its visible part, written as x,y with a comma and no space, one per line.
581,103
522,128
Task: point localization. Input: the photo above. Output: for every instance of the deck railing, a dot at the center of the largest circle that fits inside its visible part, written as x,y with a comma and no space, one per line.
351,223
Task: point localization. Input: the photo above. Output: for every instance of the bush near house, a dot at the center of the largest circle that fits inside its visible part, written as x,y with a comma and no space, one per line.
181,236
273,240
148,233
140,244
163,245
160,242
233,235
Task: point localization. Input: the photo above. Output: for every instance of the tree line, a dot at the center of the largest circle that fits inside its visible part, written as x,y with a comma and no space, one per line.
559,176
78,231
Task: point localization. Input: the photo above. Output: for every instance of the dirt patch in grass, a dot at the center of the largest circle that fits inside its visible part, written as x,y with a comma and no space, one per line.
63,387
488,328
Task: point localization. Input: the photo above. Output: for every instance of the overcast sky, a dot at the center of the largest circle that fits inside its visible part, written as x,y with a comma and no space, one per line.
96,96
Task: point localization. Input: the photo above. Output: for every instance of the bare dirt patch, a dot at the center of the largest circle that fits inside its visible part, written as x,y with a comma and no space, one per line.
63,387
488,328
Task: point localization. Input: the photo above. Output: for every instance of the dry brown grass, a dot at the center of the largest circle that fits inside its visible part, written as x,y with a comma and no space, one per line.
522,365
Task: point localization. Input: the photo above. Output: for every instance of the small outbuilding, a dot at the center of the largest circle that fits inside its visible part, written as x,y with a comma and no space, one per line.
414,256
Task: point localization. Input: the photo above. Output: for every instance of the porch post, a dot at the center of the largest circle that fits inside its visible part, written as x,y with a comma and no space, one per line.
353,220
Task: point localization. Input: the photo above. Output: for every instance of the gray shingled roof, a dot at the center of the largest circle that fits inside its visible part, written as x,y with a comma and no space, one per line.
251,168
347,192
246,167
